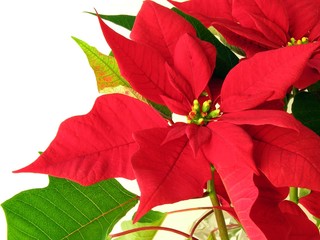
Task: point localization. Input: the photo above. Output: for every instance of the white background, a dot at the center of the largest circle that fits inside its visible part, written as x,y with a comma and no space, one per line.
45,78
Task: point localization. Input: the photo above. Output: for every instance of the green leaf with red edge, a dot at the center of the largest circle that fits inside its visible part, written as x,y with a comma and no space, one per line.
122,20
275,71
109,79
288,158
167,166
306,109
105,67
150,219
67,210
98,145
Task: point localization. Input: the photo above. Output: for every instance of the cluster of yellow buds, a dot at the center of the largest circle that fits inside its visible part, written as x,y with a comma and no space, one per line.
293,41
201,115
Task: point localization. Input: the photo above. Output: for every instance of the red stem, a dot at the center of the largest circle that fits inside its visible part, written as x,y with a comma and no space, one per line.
151,228
190,209
199,221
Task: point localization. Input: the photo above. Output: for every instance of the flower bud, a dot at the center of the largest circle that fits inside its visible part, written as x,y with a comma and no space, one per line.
206,106
196,106
214,113
192,114
200,121
304,40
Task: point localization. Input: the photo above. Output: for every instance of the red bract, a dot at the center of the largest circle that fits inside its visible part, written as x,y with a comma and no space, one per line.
265,77
98,145
311,203
279,218
169,65
257,26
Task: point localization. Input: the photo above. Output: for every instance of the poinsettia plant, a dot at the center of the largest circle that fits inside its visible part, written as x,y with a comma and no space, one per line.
196,104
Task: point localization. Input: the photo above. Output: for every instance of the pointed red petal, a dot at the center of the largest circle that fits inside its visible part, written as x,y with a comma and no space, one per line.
204,11
181,103
262,117
198,136
238,180
233,138
223,195
311,73
175,132
191,61
301,225
98,145
271,30
287,157
141,65
272,13
302,17
162,171
249,40
224,153
315,32
154,27
275,71
278,218
265,211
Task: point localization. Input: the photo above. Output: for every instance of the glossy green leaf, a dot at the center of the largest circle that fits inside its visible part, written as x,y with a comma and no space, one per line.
122,20
67,210
152,218
226,59
105,67
306,109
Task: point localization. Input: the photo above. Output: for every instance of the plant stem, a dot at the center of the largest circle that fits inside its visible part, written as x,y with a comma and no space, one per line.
293,194
212,237
223,231
152,228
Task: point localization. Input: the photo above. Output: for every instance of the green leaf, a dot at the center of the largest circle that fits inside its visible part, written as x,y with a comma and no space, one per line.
314,87
226,59
304,192
105,67
125,21
67,210
152,218
306,109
